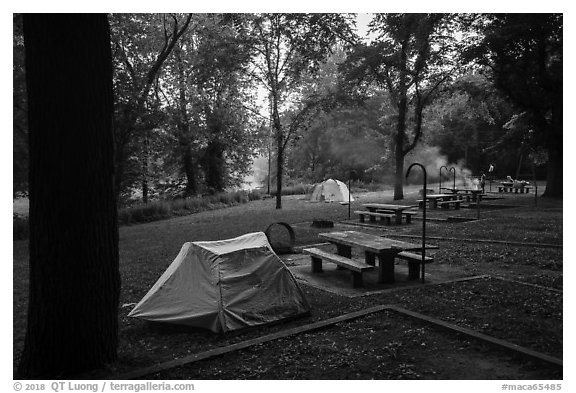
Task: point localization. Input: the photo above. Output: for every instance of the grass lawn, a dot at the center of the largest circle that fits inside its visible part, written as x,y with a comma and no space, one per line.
521,302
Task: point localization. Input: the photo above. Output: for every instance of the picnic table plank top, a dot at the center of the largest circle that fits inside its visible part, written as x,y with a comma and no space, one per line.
434,196
456,190
386,206
370,242
466,190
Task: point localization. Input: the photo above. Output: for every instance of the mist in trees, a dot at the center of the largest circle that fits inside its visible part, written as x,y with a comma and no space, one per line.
411,59
287,48
199,96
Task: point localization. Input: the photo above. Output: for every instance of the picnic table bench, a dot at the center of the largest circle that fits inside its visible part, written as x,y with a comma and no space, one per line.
355,266
386,217
414,263
446,204
397,211
509,188
434,199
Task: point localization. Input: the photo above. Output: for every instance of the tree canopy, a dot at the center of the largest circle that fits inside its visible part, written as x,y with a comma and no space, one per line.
523,56
199,96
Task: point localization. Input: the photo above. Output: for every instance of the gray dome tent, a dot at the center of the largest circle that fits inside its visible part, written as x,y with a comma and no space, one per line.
224,285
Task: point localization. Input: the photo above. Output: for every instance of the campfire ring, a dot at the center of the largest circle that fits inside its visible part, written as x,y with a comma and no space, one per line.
278,245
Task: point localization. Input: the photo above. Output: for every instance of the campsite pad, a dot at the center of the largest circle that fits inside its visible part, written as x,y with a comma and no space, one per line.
340,281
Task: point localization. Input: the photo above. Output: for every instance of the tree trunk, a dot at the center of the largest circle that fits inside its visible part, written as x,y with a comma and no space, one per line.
279,171
189,169
554,177
280,151
214,167
401,126
554,181
269,166
145,169
74,276
399,149
120,154
399,175
519,167
183,125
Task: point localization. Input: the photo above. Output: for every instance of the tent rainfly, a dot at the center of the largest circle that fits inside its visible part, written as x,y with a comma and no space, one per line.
330,191
224,285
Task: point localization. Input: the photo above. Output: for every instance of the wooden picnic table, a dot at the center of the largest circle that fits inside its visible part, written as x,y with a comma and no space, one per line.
433,198
457,190
398,210
373,246
467,192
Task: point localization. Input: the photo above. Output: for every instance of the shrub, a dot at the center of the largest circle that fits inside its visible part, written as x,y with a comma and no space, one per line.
146,212
164,209
295,189
255,195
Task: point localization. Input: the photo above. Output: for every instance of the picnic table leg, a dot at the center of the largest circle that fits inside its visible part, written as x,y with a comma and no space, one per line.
433,203
357,281
413,270
345,251
408,218
371,218
386,267
370,258
398,218
316,265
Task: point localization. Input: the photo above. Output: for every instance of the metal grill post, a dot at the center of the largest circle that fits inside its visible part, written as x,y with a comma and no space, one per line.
423,216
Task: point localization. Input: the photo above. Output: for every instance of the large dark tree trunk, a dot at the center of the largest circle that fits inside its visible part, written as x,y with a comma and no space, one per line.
184,127
190,171
145,169
554,179
214,167
401,126
399,173
279,173
279,136
74,276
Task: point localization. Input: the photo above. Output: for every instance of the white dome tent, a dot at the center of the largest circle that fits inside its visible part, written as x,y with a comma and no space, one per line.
331,191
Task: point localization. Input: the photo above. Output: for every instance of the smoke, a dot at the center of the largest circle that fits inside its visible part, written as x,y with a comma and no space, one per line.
431,158
258,173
